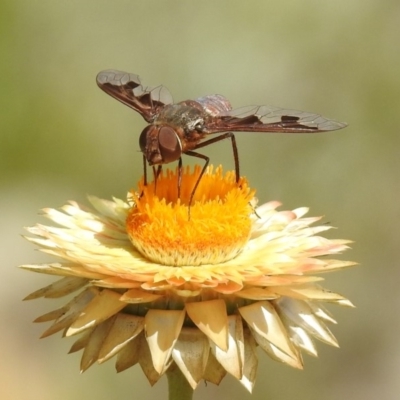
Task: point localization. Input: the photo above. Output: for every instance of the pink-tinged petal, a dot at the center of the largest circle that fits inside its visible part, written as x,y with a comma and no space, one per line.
102,307
211,318
324,265
125,328
263,318
308,293
155,285
190,354
162,328
137,296
228,287
92,349
175,281
72,311
232,358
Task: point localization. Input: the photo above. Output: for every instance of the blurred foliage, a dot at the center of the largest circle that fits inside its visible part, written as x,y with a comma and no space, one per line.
62,138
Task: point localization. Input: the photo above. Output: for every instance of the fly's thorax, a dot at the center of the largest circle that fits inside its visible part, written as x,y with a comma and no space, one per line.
187,116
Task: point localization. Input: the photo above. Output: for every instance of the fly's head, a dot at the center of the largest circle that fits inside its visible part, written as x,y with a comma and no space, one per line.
160,144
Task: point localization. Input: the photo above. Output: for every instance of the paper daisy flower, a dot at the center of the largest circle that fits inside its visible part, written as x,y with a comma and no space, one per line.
165,285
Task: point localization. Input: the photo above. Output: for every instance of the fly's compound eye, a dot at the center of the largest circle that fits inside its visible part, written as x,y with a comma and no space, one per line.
143,138
169,144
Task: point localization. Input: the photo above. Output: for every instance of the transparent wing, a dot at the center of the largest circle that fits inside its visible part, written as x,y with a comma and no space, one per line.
128,89
215,104
272,119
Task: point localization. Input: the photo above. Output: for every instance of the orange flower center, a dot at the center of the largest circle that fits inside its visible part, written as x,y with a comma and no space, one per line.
212,230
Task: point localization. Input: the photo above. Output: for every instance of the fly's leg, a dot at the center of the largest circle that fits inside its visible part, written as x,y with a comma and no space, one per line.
179,177
228,135
207,160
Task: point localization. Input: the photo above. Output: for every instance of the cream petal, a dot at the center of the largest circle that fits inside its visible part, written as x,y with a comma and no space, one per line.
333,265
129,354
345,303
301,314
96,339
162,328
59,217
102,307
59,288
211,318
116,282
308,292
250,362
281,280
72,311
47,243
263,318
125,328
267,208
233,357
280,249
190,354
64,269
294,360
116,209
256,293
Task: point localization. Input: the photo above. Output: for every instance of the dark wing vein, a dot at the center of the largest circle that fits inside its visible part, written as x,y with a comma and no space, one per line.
128,89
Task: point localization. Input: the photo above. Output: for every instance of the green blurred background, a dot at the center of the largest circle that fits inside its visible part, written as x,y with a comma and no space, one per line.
62,138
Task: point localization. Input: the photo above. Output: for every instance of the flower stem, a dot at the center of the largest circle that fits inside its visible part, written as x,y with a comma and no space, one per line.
178,386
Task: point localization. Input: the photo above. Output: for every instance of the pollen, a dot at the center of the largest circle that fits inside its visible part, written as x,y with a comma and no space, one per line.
212,229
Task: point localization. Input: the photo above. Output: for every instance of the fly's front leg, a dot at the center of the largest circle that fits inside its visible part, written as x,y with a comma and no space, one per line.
156,174
144,174
228,135
179,177
144,171
207,160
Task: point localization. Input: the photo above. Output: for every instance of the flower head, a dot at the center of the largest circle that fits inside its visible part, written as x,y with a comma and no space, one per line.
199,286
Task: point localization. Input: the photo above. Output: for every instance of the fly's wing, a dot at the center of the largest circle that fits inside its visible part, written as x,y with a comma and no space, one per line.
128,89
215,104
271,119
